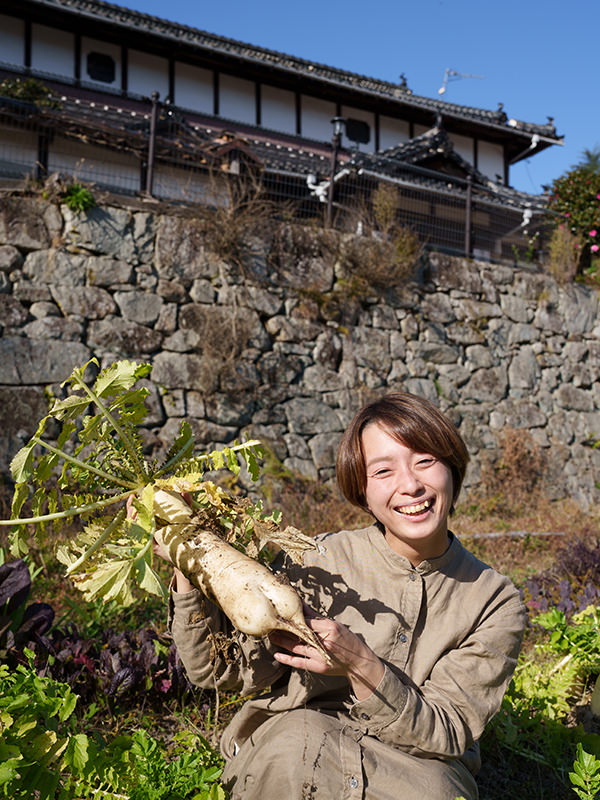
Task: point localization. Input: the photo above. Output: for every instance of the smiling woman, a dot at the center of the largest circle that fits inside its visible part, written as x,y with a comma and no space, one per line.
422,637
404,462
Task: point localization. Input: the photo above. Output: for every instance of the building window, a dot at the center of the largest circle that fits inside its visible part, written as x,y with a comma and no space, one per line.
101,67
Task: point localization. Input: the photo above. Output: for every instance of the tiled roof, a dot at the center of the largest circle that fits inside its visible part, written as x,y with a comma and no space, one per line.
219,44
406,161
185,142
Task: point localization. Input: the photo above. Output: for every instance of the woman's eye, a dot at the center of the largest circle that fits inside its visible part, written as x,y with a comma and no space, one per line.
425,462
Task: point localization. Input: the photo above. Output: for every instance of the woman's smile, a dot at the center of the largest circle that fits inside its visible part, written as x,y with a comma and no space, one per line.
415,510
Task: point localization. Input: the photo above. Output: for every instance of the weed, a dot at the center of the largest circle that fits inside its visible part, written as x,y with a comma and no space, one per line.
243,216
563,254
78,198
312,506
517,475
386,253
585,777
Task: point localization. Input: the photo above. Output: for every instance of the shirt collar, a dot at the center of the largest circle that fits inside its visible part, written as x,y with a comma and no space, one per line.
377,539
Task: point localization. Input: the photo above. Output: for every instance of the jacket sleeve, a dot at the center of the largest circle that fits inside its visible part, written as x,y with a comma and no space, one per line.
445,716
214,654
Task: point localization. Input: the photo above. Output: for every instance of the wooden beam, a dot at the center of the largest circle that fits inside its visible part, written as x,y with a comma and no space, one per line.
124,70
27,45
216,93
298,113
77,59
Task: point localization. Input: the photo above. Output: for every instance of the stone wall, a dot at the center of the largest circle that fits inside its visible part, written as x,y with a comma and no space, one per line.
284,346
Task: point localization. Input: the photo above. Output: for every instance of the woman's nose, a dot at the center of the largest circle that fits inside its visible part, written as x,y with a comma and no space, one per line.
409,482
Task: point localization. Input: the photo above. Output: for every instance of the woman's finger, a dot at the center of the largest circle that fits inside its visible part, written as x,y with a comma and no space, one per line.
310,613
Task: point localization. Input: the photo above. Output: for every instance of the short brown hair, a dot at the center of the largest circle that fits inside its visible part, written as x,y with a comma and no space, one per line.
409,419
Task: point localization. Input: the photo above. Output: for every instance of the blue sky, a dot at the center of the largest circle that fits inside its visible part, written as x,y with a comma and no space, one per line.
538,58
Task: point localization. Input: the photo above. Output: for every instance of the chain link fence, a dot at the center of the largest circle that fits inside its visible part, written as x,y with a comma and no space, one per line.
142,148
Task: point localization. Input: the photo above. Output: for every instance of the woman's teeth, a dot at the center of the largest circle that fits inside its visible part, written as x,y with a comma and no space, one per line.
416,509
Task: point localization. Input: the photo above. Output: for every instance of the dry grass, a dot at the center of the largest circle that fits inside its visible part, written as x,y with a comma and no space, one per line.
386,253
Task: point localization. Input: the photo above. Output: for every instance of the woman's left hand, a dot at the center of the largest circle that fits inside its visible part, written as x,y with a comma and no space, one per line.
351,657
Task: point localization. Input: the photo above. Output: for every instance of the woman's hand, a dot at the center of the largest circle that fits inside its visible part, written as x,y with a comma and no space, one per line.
181,583
351,657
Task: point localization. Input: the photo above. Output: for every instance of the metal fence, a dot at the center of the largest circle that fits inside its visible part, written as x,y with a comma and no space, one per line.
145,149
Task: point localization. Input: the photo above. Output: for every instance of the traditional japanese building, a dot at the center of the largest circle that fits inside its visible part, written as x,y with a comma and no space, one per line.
223,103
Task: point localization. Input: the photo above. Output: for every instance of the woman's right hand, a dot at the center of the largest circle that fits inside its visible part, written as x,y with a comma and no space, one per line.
180,583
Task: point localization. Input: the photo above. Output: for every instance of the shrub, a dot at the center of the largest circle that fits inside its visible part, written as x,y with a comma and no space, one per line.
517,475
575,197
385,253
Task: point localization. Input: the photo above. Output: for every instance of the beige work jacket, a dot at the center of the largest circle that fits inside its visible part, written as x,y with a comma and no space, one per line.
448,631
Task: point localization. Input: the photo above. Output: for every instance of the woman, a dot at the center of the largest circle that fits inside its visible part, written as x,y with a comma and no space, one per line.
423,637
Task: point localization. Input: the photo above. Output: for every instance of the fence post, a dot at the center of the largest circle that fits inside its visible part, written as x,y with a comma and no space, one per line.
151,144
336,141
41,168
468,205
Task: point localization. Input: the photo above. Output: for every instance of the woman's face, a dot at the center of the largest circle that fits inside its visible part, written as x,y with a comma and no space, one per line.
409,493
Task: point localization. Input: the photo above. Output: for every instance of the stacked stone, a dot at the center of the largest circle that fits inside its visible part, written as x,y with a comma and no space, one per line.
286,347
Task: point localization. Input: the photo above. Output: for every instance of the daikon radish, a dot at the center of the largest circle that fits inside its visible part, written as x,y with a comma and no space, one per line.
255,599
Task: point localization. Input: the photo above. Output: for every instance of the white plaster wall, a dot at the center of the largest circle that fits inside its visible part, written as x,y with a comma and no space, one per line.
18,151
278,109
106,48
463,146
193,88
364,116
53,50
237,99
316,118
147,73
12,40
95,164
392,132
490,159
171,183
419,129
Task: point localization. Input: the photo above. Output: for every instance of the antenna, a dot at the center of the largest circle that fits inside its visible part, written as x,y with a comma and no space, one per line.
453,75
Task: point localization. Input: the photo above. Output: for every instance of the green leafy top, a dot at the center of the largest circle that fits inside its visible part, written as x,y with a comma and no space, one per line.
100,463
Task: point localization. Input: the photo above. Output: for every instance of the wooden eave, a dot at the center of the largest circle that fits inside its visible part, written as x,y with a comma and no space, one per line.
513,140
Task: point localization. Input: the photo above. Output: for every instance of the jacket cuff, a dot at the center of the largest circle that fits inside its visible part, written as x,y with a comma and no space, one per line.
383,705
187,605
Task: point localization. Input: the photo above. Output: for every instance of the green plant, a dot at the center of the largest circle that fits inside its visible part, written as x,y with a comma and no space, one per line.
579,638
585,777
35,743
78,198
169,506
575,198
43,755
530,252
29,90
188,776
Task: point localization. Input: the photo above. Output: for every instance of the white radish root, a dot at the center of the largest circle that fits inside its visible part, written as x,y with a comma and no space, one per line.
255,599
